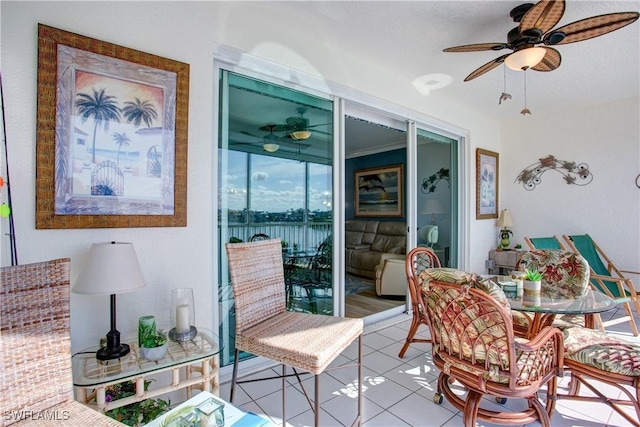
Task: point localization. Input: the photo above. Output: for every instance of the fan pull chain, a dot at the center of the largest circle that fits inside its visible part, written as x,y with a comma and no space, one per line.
504,96
525,110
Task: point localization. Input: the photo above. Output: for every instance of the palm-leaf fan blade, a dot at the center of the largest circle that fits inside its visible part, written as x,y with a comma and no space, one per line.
543,16
486,67
592,27
550,61
478,47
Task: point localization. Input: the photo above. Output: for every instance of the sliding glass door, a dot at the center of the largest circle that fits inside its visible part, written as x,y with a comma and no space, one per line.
275,166
437,195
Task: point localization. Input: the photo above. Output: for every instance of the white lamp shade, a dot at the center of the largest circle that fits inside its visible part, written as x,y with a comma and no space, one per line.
505,219
431,206
429,234
111,268
525,58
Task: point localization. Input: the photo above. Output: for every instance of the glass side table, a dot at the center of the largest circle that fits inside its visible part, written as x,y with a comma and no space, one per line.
198,357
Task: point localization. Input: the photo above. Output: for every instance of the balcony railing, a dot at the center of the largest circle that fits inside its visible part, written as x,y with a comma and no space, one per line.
299,235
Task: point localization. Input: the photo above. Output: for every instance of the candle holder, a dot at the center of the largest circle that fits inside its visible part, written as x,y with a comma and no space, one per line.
183,315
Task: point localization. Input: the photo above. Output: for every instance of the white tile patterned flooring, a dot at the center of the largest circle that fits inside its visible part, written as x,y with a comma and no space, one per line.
396,392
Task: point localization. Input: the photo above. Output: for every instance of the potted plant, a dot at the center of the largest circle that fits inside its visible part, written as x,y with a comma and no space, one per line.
532,282
154,346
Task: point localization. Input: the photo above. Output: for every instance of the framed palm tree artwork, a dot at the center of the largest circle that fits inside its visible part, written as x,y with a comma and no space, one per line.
112,135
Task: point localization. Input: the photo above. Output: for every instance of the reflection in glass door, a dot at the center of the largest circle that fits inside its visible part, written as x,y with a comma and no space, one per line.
437,176
275,181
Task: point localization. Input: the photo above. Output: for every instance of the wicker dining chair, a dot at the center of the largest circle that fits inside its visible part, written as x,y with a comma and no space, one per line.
36,387
303,341
418,260
474,343
593,357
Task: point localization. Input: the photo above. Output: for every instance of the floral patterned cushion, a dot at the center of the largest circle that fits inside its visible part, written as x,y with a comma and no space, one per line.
564,274
602,351
527,371
472,334
459,277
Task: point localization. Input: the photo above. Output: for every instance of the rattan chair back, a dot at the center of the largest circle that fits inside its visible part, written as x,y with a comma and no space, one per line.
418,260
35,317
35,355
257,274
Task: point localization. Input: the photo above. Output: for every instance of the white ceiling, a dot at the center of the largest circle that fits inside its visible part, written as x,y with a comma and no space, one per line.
409,37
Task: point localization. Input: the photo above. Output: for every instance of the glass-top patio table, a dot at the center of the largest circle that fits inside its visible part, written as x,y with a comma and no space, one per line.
546,308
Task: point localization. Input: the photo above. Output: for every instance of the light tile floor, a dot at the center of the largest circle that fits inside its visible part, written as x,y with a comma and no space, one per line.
396,392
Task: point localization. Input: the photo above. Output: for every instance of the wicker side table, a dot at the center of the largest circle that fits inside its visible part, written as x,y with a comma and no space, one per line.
192,364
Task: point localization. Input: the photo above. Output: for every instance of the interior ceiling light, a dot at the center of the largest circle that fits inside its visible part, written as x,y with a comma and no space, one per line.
271,148
299,135
524,59
271,141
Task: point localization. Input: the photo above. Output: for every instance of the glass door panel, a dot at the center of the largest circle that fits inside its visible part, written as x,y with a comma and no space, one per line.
437,208
275,181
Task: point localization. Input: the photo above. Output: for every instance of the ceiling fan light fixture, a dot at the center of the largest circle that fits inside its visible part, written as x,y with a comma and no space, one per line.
270,147
299,135
525,58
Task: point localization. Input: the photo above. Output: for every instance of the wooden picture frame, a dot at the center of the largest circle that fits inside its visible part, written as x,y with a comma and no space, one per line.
111,146
379,192
487,174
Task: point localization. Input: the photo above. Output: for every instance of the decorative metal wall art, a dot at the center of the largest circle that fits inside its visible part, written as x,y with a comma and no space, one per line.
572,172
429,184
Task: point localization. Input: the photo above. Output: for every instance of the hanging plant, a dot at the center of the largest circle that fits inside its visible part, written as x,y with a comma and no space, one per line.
429,184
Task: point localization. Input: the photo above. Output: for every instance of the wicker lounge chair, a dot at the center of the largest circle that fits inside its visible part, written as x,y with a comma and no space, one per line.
36,388
418,260
306,342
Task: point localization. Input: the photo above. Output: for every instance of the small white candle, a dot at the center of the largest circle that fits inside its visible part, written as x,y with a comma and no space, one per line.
182,318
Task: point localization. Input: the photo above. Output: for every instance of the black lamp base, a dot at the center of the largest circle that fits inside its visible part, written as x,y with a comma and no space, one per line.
106,353
113,349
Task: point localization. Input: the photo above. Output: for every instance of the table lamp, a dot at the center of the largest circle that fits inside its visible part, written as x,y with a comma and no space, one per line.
432,207
111,268
505,222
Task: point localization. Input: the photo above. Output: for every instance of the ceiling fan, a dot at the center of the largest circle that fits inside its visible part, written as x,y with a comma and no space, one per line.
536,22
270,142
299,126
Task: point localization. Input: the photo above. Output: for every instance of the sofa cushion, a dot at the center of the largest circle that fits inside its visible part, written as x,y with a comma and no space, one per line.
370,231
390,244
354,231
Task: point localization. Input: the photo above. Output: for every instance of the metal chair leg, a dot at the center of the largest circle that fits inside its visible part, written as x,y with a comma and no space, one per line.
359,416
284,394
234,377
316,411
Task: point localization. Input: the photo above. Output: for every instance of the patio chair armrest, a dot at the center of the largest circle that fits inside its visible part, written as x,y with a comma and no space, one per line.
542,347
547,334
622,282
608,278
631,272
